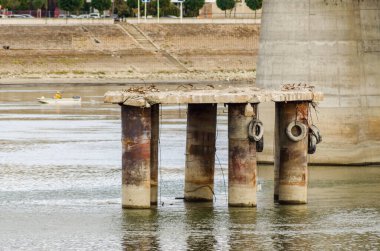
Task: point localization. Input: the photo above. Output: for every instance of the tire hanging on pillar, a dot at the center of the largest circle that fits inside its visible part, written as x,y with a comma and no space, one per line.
291,147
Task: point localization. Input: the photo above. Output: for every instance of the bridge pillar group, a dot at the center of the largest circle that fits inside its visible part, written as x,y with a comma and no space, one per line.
242,168
136,158
291,146
200,152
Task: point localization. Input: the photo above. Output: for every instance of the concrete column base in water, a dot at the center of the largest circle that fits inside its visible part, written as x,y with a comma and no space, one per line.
200,152
291,174
136,162
242,168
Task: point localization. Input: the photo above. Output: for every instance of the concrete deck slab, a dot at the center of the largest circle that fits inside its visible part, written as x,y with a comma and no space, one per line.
147,96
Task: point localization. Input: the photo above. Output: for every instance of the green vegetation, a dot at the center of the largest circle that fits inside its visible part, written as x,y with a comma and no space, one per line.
192,7
166,8
225,5
122,9
254,4
133,3
10,4
38,4
101,5
70,5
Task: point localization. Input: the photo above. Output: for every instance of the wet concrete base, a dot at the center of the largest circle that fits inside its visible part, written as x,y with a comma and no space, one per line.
292,195
242,196
135,196
196,192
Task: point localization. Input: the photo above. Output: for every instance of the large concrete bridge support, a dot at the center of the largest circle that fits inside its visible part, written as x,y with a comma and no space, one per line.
335,46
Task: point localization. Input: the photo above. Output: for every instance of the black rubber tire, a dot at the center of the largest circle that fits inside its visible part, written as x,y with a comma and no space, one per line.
255,130
301,126
312,144
260,145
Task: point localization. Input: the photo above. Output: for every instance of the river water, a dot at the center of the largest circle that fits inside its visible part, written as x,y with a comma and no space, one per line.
60,179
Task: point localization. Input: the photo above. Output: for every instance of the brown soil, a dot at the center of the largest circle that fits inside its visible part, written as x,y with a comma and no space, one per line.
209,52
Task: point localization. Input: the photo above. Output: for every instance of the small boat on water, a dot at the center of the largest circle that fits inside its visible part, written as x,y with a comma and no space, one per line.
64,101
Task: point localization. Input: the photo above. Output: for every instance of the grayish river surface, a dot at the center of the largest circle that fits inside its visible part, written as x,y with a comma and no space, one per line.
60,178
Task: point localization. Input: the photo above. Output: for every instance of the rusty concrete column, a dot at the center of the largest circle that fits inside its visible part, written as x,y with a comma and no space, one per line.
291,154
200,152
155,121
136,134
242,168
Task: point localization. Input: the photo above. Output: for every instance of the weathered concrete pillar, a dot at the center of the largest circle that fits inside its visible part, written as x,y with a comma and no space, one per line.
155,122
200,152
242,168
291,154
136,134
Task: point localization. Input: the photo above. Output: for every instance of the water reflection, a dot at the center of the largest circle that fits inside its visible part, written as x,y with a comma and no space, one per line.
200,226
139,228
286,222
242,227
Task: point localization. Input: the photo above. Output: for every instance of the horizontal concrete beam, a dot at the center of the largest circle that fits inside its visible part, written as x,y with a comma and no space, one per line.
148,96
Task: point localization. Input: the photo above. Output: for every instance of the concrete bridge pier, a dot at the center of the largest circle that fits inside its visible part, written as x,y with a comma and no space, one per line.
200,152
136,158
291,146
242,167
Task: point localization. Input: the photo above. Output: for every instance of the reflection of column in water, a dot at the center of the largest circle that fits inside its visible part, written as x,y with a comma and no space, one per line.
242,223
139,228
200,226
171,229
288,220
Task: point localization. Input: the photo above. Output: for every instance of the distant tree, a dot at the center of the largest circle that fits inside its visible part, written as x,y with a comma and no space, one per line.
24,5
10,4
121,8
254,4
86,7
164,4
192,7
225,5
171,10
38,4
70,5
101,5
133,3
166,8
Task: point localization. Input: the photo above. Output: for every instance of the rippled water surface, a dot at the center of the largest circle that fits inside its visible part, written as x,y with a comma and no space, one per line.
60,178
